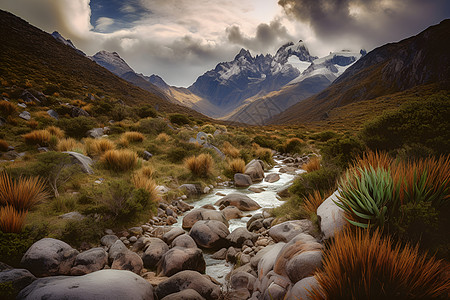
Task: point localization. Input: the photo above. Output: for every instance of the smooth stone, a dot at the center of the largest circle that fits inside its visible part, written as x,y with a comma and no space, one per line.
286,231
184,241
153,253
272,177
179,259
128,261
203,214
232,212
240,235
175,232
255,169
19,278
242,180
241,201
331,216
115,249
301,289
209,234
188,294
89,261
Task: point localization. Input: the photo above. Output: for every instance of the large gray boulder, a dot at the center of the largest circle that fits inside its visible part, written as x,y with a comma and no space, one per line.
268,259
115,249
274,287
272,177
188,280
240,235
301,289
255,169
129,261
153,253
48,257
179,259
286,231
103,284
210,234
241,201
242,281
168,237
108,240
202,214
188,294
96,133
331,216
19,278
89,261
232,212
184,241
84,161
242,180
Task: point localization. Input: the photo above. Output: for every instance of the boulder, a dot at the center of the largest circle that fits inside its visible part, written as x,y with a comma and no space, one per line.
183,206
331,216
188,280
188,294
95,133
209,234
48,257
136,230
255,169
115,249
301,289
168,237
304,265
84,161
179,259
128,261
240,235
146,155
241,201
203,214
153,253
272,177
191,189
242,280
78,112
232,212
19,278
108,240
286,231
53,114
221,254
184,241
242,180
267,260
256,189
89,261
103,284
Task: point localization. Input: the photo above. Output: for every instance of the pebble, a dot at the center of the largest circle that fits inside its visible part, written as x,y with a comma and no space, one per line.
133,239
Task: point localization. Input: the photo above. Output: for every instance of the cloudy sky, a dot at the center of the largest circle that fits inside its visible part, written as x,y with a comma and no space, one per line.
181,39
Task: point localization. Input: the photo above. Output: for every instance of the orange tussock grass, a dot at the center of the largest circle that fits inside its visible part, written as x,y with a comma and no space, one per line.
163,137
56,131
7,108
229,150
313,201
38,137
200,165
11,220
120,160
3,145
133,136
33,124
312,165
234,166
146,172
22,193
68,144
96,147
147,184
360,265
378,159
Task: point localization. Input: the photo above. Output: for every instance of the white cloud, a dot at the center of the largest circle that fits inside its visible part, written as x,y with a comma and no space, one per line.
103,23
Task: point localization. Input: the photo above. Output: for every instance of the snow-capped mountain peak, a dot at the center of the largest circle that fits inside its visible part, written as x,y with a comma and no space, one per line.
112,61
66,42
298,49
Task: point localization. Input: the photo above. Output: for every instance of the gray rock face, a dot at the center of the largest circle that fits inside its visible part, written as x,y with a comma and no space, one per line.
303,265
147,155
188,294
25,115
188,280
168,237
301,288
232,212
53,114
210,234
96,133
115,249
104,284
272,177
191,189
255,170
331,216
242,180
48,257
153,253
129,261
85,161
240,235
19,278
179,259
73,215
89,261
241,201
268,259
286,231
203,214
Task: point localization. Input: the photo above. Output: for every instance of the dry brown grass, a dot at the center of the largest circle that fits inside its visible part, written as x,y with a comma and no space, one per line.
229,150
264,154
312,165
133,136
360,265
96,147
163,137
3,145
147,184
38,137
68,144
33,124
201,165
234,166
378,159
56,131
11,220
314,200
120,160
7,108
22,193
146,172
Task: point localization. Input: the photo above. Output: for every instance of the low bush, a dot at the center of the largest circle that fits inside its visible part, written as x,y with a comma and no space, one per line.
208,128
342,151
96,147
153,126
77,127
324,136
265,141
3,145
120,160
294,145
312,165
201,165
234,166
88,230
133,136
181,151
56,131
179,119
321,180
146,111
38,137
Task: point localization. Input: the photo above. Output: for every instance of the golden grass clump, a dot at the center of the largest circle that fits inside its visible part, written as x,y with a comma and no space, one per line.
33,124
56,131
7,108
264,154
146,171
22,193
229,150
133,136
120,160
378,159
163,137
96,147
38,137
3,145
312,201
361,265
68,144
201,165
234,166
312,165
147,184
11,220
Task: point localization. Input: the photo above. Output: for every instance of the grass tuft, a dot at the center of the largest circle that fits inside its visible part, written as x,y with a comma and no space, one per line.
201,165
11,220
133,136
229,150
3,145
146,183
96,147
312,165
120,160
312,201
38,137
163,137
234,166
7,108
68,144
56,131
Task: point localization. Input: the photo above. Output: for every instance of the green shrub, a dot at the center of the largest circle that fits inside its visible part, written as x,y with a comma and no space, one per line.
265,141
88,230
146,111
208,128
293,145
153,126
77,127
183,150
342,151
321,180
324,136
179,119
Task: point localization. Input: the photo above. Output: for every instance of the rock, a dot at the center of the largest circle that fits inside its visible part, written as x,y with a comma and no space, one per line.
168,237
255,170
146,155
85,161
73,215
161,189
203,214
191,189
115,249
232,212
95,133
331,216
188,280
179,259
53,114
208,206
286,231
221,254
25,115
48,257
240,235
242,180
136,230
133,239
267,259
42,149
301,288
242,281
209,234
108,240
78,112
241,201
220,194
28,97
184,241
19,278
23,105
89,261
188,294
274,292
303,265
139,244
284,193
183,206
231,254
272,177
206,190
267,222
153,253
255,225
256,189
128,261
107,284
